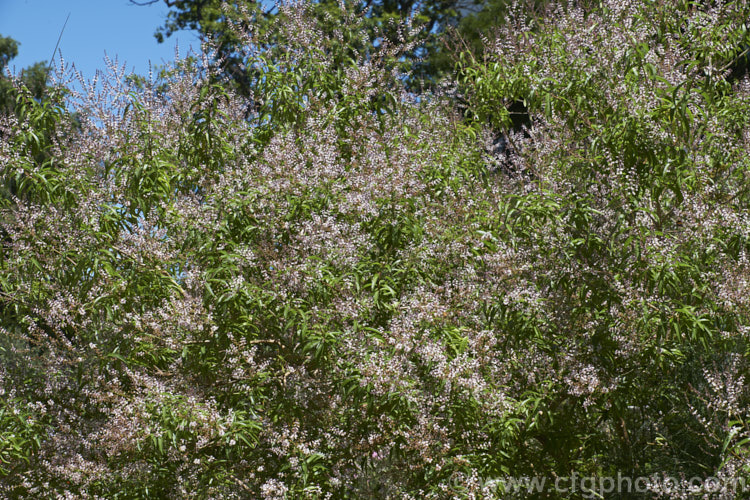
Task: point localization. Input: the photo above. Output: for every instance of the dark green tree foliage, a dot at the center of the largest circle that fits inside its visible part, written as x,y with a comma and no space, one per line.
34,77
8,50
426,61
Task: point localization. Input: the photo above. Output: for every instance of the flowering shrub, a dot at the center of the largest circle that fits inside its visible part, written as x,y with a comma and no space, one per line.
333,291
634,232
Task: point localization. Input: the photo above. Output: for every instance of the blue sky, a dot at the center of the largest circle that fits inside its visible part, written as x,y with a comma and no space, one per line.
118,27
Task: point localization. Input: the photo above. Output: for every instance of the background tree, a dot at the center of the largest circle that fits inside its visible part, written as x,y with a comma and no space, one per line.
425,62
8,50
34,77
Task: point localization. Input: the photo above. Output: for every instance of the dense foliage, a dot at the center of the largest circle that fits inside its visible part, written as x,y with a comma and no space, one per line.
34,77
423,63
351,291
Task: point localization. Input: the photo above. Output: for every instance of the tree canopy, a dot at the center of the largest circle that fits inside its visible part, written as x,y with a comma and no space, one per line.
34,77
426,59
328,286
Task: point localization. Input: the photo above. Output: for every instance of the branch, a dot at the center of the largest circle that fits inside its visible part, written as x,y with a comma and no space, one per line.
170,3
241,483
250,342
